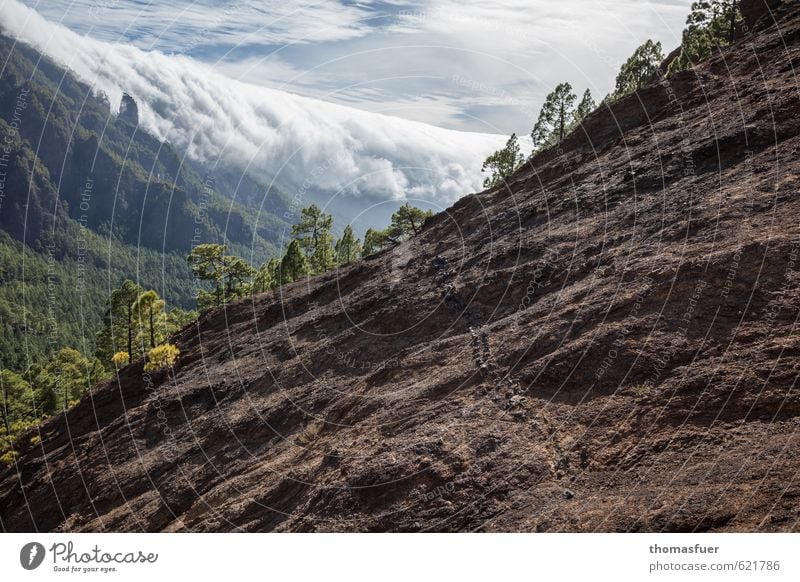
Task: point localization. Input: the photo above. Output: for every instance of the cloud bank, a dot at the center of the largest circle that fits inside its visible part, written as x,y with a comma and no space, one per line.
396,57
294,142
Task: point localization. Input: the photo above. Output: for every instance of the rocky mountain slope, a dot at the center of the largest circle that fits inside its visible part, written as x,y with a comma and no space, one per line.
608,344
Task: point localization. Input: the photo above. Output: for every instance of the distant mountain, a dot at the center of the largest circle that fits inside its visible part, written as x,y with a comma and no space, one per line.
317,150
89,198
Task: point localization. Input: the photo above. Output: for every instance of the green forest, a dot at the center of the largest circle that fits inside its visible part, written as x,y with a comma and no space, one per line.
137,322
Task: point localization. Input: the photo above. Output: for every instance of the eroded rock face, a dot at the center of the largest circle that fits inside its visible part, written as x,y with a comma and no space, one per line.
128,110
609,343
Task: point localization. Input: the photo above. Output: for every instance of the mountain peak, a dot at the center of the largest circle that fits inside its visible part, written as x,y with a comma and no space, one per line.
128,110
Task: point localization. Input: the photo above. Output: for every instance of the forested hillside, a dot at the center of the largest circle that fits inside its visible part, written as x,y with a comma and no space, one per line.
89,199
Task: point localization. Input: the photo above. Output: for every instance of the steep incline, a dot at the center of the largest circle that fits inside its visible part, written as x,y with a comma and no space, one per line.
609,344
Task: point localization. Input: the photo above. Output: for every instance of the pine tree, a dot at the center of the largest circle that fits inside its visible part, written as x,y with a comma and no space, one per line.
149,312
69,375
119,324
313,224
585,107
407,221
375,241
236,274
711,24
208,264
324,257
502,163
641,67
18,400
555,117
177,319
294,264
228,274
348,248
268,276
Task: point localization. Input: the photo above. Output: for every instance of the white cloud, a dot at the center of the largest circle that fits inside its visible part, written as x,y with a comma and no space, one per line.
181,25
392,55
512,51
302,143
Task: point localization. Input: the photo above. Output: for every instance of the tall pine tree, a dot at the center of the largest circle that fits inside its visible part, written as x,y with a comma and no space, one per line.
641,67
711,25
314,235
294,264
555,118
585,107
502,163
348,248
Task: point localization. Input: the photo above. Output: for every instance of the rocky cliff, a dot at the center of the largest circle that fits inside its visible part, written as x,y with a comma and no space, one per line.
609,343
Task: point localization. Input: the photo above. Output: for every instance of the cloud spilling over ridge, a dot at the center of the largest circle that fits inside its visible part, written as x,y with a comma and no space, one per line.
300,143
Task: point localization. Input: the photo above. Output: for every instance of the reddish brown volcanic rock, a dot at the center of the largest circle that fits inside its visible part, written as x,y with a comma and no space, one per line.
610,343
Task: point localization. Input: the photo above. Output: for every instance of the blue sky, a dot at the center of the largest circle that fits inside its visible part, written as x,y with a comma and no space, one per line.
467,65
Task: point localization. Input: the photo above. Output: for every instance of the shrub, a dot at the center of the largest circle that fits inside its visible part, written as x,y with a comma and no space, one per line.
120,359
8,458
160,357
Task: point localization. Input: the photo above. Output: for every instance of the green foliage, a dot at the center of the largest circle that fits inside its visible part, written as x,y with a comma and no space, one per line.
711,24
61,297
177,319
120,360
9,437
314,235
119,329
348,248
268,276
502,163
407,221
161,357
375,241
228,275
555,117
559,116
324,257
207,262
294,265
42,391
69,375
585,107
136,320
97,204
641,67
18,399
150,316
236,274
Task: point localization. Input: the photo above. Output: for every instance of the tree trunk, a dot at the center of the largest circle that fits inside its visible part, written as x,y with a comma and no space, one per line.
130,331
5,406
152,329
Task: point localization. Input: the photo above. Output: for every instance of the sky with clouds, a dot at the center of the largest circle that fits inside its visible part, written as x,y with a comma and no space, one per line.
379,99
472,65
